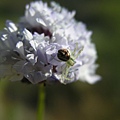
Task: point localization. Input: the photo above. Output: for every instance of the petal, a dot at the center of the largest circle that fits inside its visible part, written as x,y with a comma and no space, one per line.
20,48
11,26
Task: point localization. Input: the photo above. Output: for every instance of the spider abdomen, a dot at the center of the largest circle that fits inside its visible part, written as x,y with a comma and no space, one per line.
63,54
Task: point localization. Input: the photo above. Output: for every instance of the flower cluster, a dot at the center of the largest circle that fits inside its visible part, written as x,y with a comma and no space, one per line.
47,45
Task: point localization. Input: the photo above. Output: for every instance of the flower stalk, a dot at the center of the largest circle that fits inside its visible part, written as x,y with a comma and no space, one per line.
41,102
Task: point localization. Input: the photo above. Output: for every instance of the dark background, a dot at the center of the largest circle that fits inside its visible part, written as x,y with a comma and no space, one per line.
76,101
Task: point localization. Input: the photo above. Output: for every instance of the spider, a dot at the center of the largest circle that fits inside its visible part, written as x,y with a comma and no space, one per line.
68,57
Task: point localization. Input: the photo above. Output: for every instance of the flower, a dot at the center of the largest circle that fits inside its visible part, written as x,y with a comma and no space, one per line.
47,45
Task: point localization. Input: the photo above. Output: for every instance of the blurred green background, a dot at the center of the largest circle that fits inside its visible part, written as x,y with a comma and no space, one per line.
76,101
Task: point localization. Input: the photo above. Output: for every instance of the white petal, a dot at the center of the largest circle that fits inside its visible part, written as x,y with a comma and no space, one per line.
27,35
32,58
18,66
11,26
20,48
41,22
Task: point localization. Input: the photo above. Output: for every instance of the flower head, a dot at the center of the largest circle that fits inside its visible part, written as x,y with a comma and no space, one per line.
47,45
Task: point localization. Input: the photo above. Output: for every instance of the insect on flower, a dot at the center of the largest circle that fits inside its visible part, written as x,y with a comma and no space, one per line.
68,57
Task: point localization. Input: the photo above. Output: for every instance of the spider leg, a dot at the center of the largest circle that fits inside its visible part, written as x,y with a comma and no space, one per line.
73,53
76,48
65,72
79,52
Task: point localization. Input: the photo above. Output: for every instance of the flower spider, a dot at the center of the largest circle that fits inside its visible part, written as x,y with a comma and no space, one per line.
69,58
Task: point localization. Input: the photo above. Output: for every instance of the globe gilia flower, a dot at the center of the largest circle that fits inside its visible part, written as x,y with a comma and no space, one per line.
47,45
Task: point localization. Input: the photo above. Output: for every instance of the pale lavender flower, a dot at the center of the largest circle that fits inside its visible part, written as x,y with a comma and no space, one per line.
48,45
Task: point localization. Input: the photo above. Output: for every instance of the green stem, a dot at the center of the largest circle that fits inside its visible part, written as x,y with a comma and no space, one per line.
41,102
